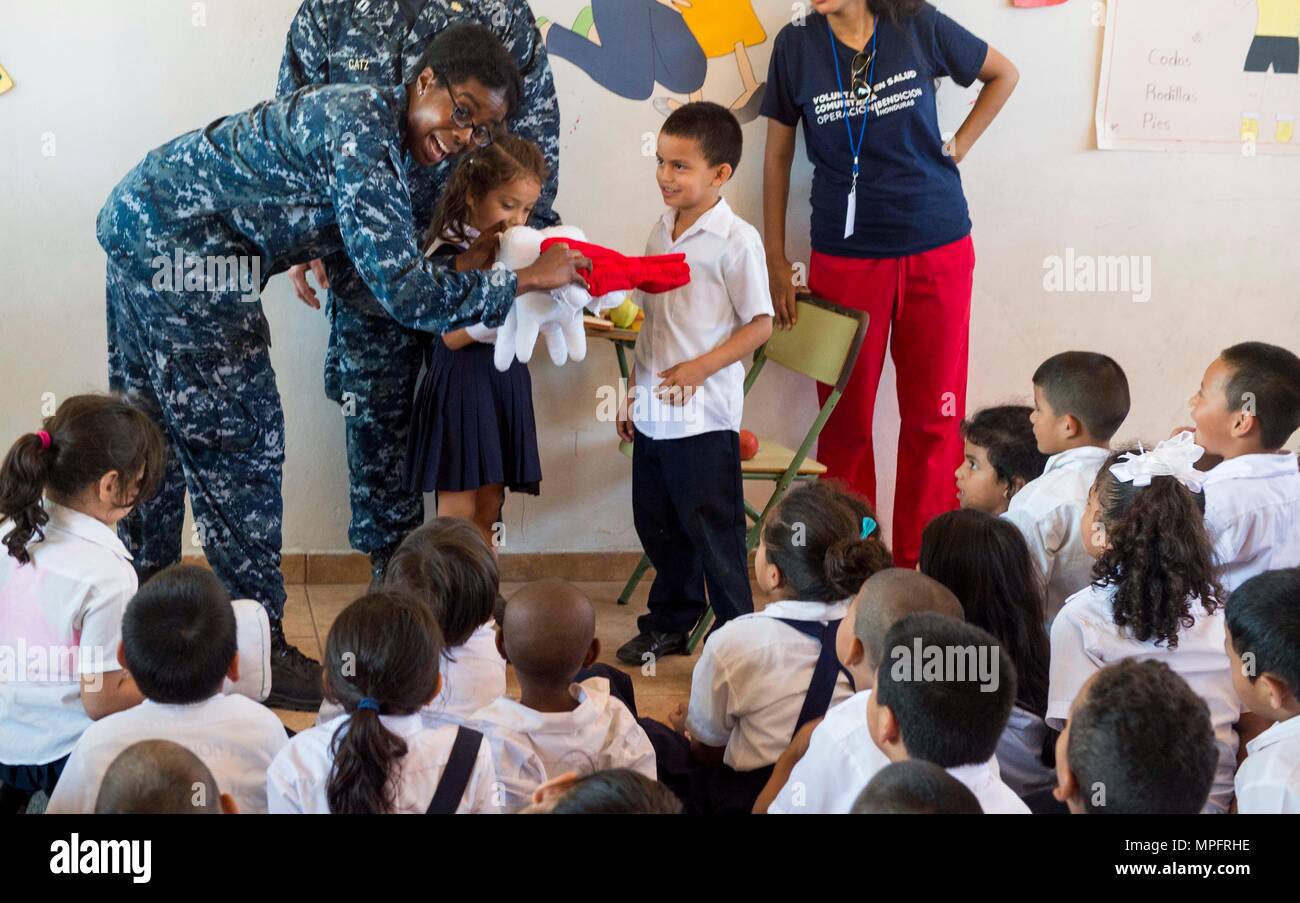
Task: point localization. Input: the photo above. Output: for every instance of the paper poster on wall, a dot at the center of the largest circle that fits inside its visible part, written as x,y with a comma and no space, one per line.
1212,76
658,49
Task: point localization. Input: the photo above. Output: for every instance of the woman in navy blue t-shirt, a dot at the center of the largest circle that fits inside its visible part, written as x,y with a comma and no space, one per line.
891,233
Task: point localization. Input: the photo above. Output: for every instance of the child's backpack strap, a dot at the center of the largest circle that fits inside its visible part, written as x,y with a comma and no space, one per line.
455,779
826,673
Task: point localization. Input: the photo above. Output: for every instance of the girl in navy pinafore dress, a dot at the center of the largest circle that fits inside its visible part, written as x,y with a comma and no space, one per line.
473,434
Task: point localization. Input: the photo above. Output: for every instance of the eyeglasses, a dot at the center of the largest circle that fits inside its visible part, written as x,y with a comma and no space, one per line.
481,135
859,85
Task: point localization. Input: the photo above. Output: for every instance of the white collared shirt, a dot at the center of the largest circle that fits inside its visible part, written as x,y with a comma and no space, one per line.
751,680
728,289
1252,510
597,735
473,675
235,737
1048,512
1269,780
298,780
842,759
1085,640
60,618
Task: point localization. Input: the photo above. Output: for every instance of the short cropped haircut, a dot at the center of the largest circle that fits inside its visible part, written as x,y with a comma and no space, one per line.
954,720
157,777
1264,621
713,127
470,50
179,635
1269,377
1142,742
1007,436
1090,387
915,788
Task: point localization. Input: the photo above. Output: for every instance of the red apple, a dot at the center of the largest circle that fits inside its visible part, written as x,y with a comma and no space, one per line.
748,445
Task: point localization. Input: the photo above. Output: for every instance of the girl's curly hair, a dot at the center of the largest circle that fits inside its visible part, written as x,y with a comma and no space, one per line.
1158,557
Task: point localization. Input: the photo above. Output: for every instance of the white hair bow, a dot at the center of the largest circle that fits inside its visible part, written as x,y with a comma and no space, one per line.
1171,458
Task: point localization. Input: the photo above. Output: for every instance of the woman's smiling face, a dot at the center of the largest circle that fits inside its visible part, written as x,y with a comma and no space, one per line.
432,134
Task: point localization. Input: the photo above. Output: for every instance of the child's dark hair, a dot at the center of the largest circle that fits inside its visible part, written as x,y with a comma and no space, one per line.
470,50
985,561
1146,738
713,127
1088,386
381,657
89,436
914,787
814,536
157,777
1264,620
1007,435
447,565
953,721
618,791
179,635
503,161
1269,376
1158,556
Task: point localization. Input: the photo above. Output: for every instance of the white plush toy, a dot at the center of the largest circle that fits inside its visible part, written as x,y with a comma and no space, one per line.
555,315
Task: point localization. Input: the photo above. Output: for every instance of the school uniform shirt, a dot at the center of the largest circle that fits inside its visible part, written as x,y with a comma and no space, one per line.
749,685
842,759
597,735
1252,510
235,737
1048,511
61,617
473,675
1085,640
442,248
909,191
728,289
1269,780
298,780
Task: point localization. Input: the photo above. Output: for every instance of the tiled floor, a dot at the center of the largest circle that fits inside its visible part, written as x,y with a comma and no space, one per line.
311,610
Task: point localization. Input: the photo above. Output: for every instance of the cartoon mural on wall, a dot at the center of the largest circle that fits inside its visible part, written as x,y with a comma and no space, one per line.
629,46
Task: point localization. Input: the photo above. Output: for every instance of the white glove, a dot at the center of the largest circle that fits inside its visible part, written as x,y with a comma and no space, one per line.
554,316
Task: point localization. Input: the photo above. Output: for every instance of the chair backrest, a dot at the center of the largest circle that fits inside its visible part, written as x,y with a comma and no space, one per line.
824,343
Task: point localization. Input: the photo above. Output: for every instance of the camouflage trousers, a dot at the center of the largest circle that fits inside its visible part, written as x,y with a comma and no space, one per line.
371,369
220,411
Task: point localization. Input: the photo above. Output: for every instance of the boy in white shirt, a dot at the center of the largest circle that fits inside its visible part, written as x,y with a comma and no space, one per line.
1138,741
1264,630
1247,407
1080,401
828,764
548,634
943,694
683,411
179,644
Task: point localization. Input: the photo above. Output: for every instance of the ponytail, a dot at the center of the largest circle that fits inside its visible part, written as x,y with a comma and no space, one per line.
381,657
88,436
23,476
825,542
1159,556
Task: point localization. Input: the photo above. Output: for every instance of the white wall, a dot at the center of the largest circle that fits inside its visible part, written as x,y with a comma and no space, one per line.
108,81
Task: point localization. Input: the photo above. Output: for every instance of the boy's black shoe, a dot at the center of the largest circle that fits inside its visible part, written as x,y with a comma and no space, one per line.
654,644
295,678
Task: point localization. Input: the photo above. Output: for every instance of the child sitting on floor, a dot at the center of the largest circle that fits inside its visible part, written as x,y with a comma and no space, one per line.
1001,458
548,634
762,676
159,777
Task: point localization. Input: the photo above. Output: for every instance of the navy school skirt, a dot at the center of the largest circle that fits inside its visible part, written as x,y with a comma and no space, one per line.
472,425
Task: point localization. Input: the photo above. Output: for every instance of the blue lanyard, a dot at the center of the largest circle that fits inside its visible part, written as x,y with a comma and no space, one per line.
871,87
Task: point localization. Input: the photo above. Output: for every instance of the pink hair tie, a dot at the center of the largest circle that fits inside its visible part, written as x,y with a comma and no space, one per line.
45,439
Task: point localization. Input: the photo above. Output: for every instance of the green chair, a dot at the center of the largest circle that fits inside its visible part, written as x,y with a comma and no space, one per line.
824,345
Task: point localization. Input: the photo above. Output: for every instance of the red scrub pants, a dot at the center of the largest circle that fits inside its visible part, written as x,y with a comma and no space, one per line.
920,308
